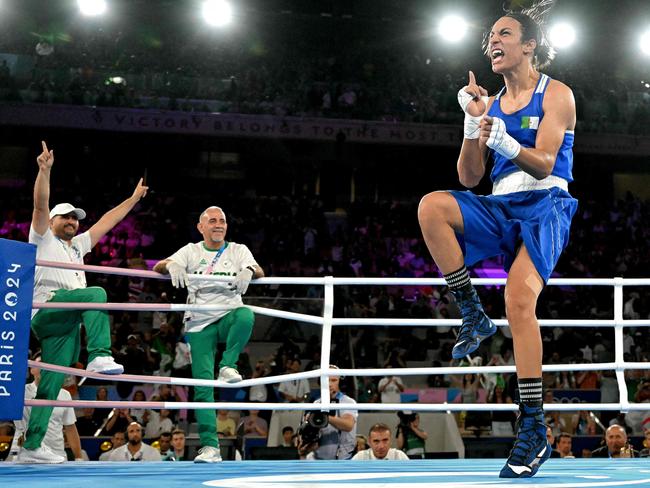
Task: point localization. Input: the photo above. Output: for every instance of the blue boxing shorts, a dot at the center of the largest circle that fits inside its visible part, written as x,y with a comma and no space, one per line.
498,224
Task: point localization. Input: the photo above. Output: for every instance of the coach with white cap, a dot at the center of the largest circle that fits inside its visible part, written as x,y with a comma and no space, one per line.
55,234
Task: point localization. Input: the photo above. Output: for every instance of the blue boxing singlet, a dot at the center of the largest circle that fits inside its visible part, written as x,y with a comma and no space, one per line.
522,126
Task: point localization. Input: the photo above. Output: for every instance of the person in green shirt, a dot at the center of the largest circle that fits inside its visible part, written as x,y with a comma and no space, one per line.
410,438
177,451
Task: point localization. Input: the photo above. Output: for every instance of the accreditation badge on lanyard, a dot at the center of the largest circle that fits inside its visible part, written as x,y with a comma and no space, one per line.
191,296
215,259
72,252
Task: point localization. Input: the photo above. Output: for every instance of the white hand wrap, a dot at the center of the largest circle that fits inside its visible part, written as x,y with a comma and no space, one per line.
178,275
464,98
501,141
471,126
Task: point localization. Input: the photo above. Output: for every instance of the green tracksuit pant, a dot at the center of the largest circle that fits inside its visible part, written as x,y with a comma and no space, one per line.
59,333
233,329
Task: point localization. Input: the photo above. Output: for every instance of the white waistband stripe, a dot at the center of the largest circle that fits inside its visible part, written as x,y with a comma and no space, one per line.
521,181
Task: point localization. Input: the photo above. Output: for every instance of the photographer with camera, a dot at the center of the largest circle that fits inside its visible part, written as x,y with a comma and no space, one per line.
410,438
329,435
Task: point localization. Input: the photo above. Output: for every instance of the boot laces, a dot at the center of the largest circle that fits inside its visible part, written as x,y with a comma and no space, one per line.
527,440
470,309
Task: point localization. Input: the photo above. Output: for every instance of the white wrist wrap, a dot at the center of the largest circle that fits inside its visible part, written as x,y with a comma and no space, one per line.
471,128
501,142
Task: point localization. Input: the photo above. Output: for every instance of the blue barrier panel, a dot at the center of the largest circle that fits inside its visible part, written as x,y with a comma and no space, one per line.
17,264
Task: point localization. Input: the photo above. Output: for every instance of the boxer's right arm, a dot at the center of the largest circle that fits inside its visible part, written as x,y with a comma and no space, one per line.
473,100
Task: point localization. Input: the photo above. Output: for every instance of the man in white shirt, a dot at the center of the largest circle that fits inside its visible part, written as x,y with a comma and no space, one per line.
62,419
158,423
54,233
135,449
379,439
205,330
118,439
391,388
294,391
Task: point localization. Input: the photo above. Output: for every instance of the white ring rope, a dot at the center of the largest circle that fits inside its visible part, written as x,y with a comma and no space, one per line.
316,373
169,380
313,319
173,307
370,407
341,281
328,322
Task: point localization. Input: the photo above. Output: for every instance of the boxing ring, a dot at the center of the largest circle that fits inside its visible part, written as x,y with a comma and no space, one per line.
454,473
299,474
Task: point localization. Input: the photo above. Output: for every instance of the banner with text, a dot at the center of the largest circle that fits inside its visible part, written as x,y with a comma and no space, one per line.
17,264
260,126
230,125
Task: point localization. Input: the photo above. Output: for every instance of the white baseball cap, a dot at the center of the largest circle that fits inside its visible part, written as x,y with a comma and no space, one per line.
66,208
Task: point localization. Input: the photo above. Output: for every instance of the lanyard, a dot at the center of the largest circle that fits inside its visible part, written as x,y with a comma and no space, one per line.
67,247
216,257
134,457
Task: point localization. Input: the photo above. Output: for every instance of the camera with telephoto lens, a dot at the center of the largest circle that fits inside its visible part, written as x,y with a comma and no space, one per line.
309,430
405,418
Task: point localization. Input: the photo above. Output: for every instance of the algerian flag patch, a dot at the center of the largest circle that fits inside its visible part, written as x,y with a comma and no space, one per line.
529,122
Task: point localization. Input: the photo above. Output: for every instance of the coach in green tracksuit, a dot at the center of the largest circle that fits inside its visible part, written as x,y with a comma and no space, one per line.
214,256
54,232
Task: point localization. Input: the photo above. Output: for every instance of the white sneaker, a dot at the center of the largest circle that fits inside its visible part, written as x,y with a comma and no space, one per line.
41,455
229,375
208,454
105,365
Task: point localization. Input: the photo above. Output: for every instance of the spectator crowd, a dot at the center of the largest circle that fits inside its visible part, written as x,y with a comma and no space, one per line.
311,73
372,239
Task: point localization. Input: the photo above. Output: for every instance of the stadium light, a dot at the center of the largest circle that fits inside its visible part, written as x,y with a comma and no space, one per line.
92,8
562,35
644,43
452,28
116,80
217,13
